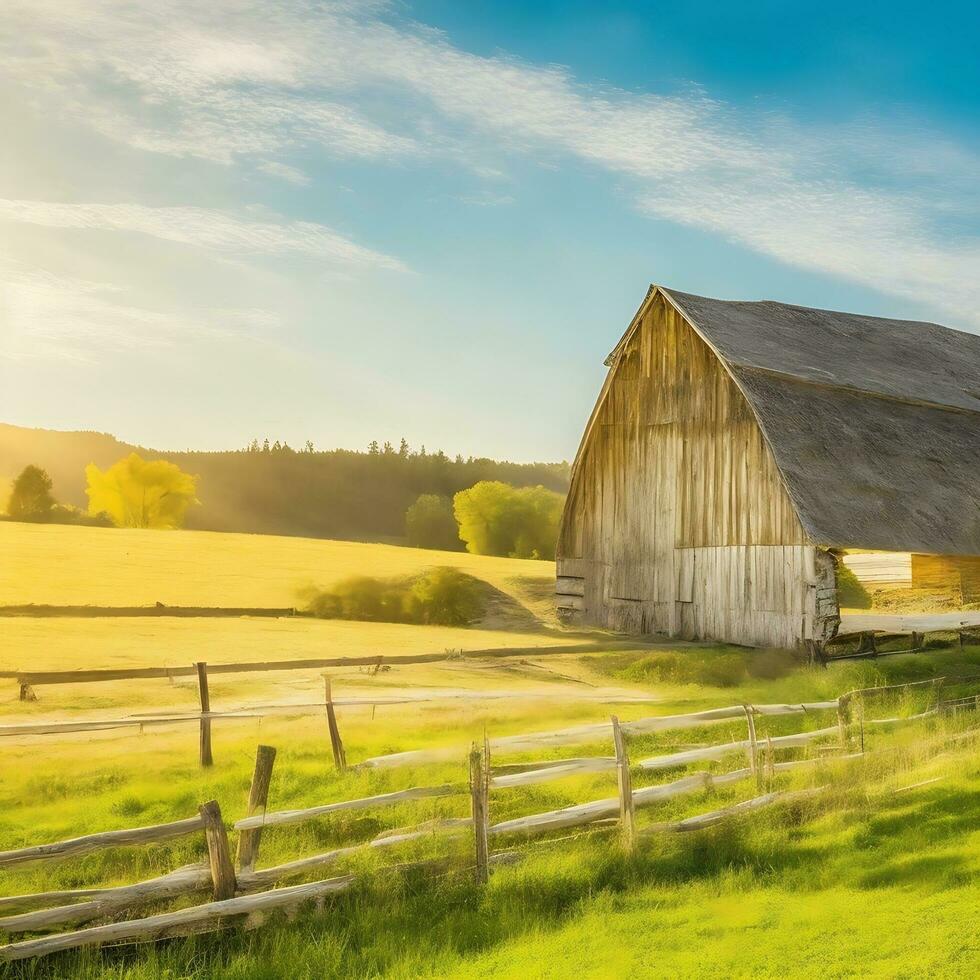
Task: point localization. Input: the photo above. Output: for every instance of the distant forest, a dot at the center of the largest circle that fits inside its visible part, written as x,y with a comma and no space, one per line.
274,489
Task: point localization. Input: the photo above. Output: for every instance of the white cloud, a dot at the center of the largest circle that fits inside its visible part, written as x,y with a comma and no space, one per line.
202,227
48,316
250,79
285,172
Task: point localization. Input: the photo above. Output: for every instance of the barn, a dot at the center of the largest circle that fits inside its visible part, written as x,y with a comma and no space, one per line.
741,455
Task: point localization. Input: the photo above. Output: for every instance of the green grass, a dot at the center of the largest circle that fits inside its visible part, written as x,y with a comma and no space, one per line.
856,882
863,883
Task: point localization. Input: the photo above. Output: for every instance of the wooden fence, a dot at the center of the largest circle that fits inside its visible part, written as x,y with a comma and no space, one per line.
29,680
241,892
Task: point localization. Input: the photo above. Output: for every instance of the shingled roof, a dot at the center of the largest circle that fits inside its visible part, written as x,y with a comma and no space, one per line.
874,423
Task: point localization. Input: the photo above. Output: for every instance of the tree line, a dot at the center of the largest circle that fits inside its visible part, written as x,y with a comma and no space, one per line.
387,493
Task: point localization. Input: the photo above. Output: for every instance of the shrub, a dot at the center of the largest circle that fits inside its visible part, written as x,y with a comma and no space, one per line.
429,523
851,594
440,596
498,519
446,596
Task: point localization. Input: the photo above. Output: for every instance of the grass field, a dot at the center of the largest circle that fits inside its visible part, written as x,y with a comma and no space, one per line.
826,888
61,565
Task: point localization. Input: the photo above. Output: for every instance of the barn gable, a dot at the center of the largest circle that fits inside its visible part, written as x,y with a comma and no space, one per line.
678,519
874,423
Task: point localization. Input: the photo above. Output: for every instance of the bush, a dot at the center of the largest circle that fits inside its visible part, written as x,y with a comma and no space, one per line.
498,519
711,667
429,523
440,596
851,594
446,596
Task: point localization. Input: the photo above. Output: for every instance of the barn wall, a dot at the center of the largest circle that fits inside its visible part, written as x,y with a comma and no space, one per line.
959,575
677,520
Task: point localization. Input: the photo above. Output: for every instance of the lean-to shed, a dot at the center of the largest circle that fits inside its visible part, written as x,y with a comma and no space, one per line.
737,449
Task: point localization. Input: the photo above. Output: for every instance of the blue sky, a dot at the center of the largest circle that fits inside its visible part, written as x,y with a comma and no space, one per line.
353,220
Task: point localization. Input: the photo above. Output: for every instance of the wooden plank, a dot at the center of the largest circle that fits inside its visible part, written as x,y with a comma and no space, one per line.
753,746
570,585
219,853
583,813
108,901
283,817
480,808
147,673
258,797
627,808
599,731
205,740
250,881
720,751
546,772
98,842
336,744
200,918
704,820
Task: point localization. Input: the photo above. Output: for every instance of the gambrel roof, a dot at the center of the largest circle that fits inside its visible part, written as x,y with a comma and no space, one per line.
874,423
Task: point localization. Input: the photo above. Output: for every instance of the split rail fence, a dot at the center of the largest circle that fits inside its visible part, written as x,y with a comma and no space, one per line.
241,892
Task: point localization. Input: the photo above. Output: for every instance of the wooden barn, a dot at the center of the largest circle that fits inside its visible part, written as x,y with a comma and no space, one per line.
739,452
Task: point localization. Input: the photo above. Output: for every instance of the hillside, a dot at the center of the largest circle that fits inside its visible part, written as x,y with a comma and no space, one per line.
333,494
62,565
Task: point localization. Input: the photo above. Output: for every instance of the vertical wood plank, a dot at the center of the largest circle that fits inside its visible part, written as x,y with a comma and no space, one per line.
336,744
842,714
480,808
258,797
627,810
219,854
753,744
205,741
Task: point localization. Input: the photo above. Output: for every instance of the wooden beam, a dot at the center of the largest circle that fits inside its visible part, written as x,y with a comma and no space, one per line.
202,684
40,677
753,744
383,799
258,797
97,842
200,918
627,811
480,806
336,744
184,881
219,854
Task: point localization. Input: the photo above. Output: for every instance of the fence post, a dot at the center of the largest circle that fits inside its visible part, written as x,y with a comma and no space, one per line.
753,745
219,855
480,807
843,706
202,683
339,756
258,797
861,719
627,811
27,692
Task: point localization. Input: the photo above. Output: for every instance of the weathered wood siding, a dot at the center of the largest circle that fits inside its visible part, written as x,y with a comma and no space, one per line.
959,575
677,520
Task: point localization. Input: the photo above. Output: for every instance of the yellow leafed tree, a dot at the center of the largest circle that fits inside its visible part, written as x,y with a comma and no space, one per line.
137,493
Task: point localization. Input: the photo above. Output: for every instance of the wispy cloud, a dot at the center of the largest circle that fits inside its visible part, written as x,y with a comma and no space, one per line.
231,80
48,316
284,171
201,227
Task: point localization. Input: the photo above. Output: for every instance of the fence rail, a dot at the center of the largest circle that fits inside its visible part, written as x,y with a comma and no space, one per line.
244,893
30,679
